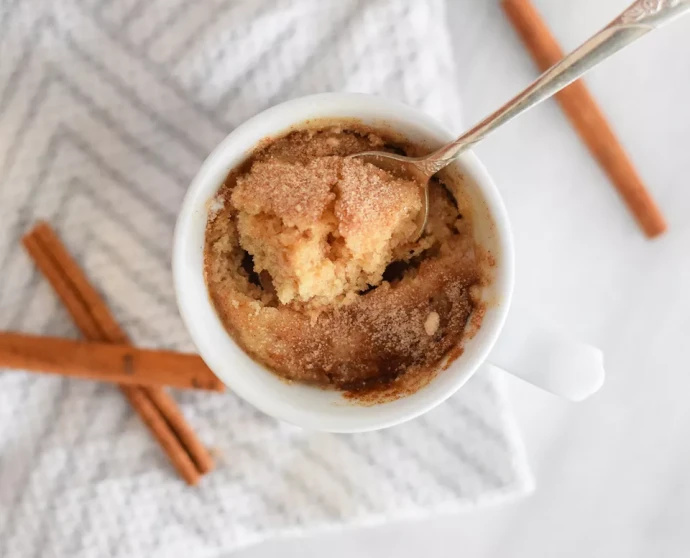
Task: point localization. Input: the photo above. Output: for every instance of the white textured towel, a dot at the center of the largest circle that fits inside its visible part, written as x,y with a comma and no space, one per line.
107,108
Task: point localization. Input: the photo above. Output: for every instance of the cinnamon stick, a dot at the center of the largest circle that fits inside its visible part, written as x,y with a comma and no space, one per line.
587,118
106,362
169,409
96,322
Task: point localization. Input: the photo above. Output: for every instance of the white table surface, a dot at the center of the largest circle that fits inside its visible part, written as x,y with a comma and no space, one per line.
613,473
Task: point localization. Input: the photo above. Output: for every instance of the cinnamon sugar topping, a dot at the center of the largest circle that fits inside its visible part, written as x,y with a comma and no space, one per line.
313,266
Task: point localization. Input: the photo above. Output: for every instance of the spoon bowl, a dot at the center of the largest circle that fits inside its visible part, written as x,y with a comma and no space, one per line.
407,168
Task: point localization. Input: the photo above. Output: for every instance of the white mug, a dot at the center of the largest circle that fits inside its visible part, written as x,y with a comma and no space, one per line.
531,352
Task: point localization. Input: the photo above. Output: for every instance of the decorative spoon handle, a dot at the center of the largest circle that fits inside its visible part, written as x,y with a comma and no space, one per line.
640,18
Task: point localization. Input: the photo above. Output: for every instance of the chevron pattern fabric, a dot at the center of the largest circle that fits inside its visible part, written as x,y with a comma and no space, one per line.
107,108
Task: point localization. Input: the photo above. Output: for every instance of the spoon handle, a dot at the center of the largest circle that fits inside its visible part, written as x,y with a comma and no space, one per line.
640,18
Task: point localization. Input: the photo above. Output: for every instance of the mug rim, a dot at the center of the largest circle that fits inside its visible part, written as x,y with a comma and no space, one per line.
193,305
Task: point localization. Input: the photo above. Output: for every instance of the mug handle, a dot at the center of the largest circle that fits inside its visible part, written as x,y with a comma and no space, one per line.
547,358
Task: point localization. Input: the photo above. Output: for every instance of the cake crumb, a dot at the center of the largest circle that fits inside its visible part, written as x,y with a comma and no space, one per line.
433,320
215,206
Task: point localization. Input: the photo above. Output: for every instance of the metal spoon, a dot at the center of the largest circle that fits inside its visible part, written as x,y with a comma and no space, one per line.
640,18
